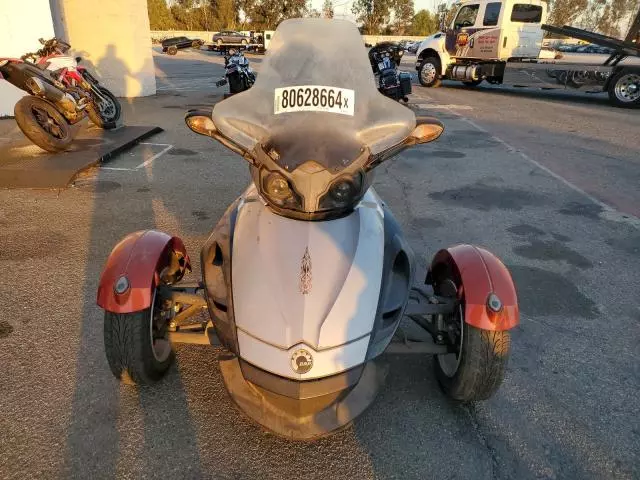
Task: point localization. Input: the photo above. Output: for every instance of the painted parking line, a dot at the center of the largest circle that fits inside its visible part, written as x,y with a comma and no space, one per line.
609,212
167,147
157,155
435,106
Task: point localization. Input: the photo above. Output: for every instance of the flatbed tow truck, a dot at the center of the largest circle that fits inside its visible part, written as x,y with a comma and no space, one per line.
500,42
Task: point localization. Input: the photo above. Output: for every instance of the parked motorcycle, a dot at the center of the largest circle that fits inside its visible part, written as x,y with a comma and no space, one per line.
383,58
307,275
238,74
62,93
103,109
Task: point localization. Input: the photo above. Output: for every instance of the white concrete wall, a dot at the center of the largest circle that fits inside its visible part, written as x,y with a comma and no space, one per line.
21,24
113,38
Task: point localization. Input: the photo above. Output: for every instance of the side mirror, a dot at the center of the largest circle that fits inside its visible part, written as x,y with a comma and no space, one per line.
427,130
200,122
41,40
78,59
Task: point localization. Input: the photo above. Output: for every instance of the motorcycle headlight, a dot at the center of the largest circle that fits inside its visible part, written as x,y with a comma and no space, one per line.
277,187
400,52
278,190
343,192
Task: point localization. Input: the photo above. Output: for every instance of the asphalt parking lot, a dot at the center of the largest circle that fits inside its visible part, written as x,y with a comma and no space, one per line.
547,181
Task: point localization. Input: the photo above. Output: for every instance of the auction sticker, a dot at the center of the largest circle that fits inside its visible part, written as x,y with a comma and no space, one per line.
314,98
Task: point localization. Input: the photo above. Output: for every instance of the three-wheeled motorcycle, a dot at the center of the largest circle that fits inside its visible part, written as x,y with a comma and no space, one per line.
307,275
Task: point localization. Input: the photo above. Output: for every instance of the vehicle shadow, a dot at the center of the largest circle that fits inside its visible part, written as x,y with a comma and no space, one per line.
559,96
117,429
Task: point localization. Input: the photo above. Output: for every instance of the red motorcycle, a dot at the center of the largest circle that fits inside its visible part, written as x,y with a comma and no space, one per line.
62,94
104,108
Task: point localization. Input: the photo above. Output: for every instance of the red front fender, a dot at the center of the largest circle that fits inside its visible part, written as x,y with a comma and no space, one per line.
478,274
140,256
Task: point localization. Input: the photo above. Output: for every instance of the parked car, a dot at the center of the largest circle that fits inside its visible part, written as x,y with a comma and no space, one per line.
567,47
172,45
591,48
229,36
413,48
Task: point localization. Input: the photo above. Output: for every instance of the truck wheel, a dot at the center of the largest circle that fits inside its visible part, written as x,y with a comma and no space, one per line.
137,345
43,124
624,89
477,371
472,83
172,50
428,74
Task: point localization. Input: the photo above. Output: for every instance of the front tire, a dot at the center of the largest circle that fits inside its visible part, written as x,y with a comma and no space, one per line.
172,50
43,124
138,353
479,368
429,72
624,89
107,114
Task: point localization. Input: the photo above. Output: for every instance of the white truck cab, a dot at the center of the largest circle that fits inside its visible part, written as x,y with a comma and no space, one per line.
482,36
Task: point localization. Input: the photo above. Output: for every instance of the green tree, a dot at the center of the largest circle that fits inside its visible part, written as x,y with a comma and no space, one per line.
327,9
402,16
226,14
160,17
372,14
563,12
267,14
424,23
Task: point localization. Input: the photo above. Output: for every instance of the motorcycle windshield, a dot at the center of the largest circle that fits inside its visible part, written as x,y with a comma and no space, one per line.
315,99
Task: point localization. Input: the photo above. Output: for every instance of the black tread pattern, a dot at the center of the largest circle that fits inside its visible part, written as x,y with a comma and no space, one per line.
94,112
612,95
34,132
128,348
484,359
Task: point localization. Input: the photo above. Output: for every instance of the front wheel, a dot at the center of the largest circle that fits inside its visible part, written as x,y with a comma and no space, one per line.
105,111
195,44
172,50
43,124
243,42
624,89
477,370
137,344
429,72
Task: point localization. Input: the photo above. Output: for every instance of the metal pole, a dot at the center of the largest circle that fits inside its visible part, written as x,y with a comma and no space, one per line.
634,30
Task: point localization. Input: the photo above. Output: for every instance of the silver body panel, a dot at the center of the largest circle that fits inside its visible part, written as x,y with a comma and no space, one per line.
306,285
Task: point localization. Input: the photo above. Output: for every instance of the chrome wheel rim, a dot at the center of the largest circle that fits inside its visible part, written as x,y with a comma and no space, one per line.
48,123
158,334
627,88
450,362
107,109
428,72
